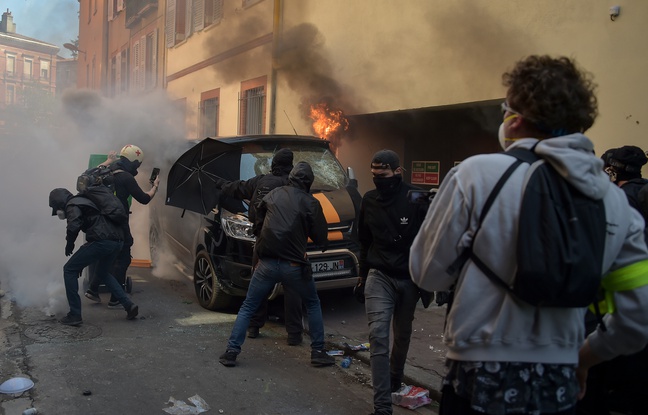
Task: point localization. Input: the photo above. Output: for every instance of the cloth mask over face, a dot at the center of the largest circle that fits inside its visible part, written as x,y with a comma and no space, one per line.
387,186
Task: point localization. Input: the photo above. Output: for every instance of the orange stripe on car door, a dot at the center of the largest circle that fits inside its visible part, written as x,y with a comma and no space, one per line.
330,214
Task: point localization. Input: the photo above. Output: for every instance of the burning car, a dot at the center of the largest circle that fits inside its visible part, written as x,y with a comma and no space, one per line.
215,246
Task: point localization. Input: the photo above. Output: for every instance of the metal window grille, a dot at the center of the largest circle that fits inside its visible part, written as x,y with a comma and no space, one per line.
251,110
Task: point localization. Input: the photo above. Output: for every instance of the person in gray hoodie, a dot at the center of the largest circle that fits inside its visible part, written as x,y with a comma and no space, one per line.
506,356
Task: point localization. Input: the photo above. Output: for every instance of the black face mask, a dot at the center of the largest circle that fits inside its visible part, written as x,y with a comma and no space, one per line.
387,186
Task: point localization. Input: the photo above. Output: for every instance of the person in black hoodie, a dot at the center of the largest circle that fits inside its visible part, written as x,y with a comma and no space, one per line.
387,225
104,240
290,216
254,190
124,172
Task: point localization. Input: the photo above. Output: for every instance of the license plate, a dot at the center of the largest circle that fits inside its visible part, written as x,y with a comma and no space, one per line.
325,266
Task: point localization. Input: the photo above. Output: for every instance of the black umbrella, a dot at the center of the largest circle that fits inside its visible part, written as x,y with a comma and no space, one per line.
191,184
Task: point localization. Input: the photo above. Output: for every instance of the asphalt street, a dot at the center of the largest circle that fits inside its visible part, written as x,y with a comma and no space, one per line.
110,365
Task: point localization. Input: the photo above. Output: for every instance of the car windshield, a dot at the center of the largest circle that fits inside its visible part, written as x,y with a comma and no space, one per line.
329,174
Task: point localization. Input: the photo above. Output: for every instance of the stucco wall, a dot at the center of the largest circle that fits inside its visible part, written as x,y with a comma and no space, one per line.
388,55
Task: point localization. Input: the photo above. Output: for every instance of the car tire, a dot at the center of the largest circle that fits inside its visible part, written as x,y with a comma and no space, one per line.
208,288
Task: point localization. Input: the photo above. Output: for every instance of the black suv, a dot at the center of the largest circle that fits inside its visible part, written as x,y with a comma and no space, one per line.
217,248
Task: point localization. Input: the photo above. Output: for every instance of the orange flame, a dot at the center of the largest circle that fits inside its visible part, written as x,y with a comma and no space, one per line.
327,122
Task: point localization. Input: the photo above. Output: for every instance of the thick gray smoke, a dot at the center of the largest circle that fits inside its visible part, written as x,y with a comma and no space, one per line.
44,149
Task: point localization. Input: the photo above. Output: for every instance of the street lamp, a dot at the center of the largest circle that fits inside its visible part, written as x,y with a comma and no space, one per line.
73,48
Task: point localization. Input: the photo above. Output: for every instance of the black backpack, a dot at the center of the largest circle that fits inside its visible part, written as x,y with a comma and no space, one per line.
97,184
95,176
561,239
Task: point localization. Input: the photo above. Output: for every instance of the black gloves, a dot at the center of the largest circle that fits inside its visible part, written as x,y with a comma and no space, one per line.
69,247
358,291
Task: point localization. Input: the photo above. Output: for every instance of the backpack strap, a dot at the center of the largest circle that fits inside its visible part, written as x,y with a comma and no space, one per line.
458,263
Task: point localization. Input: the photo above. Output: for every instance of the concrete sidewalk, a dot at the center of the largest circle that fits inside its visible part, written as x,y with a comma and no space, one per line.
425,362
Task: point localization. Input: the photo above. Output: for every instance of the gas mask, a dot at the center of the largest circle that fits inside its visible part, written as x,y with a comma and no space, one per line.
61,214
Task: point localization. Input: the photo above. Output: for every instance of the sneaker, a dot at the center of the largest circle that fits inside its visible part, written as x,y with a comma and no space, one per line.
72,320
114,305
294,339
132,312
320,358
228,359
93,296
253,332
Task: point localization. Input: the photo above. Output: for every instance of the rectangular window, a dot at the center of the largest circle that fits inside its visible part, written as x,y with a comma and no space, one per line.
209,103
252,106
176,20
113,76
124,74
248,3
150,60
28,68
10,95
44,69
11,65
213,11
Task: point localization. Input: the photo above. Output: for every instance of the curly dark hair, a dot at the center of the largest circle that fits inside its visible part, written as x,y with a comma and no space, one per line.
553,94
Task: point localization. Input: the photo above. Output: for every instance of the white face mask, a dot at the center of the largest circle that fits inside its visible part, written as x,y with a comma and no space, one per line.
61,214
501,136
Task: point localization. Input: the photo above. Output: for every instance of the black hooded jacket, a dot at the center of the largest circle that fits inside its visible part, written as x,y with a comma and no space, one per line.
124,172
386,248
257,187
83,215
290,216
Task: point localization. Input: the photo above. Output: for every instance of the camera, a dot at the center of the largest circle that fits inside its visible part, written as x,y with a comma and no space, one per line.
421,197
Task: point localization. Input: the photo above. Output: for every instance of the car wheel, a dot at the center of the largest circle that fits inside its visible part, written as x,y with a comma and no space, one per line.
207,285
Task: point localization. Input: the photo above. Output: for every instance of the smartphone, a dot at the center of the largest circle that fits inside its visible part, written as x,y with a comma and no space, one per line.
421,197
154,174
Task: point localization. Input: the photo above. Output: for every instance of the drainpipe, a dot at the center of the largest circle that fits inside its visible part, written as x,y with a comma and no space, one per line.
276,31
106,53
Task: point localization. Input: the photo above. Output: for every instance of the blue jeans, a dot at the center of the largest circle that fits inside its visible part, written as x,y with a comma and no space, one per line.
388,302
103,253
269,272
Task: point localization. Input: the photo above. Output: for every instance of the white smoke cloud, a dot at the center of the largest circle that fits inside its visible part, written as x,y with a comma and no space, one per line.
37,155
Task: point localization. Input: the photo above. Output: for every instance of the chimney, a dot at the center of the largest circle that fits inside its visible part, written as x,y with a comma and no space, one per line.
7,25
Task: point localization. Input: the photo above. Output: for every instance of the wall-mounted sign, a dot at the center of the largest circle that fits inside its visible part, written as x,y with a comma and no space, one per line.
425,172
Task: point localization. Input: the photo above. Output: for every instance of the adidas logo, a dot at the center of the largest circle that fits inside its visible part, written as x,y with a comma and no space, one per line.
404,221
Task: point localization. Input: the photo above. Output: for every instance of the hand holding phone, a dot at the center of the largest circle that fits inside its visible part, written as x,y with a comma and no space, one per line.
154,174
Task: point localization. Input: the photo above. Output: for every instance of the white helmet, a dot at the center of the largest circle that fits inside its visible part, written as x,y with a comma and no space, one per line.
132,153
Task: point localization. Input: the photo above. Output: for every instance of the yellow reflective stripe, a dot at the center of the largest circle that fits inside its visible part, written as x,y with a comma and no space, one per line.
623,279
627,278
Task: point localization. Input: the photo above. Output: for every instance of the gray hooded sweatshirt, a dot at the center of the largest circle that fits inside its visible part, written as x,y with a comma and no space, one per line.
485,322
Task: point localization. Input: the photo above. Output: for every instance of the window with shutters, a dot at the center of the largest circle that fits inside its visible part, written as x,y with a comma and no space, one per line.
28,68
209,104
252,106
176,21
124,74
11,65
135,85
113,76
248,3
10,94
150,60
44,70
213,11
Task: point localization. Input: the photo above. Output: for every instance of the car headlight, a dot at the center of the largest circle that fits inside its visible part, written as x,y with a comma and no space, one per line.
237,226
